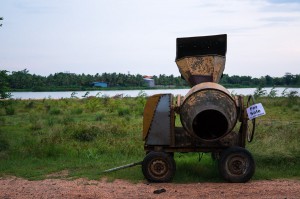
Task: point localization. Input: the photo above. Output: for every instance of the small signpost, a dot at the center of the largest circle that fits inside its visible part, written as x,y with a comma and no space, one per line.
256,110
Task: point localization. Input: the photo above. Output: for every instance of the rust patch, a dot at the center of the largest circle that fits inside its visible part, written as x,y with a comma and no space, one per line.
205,66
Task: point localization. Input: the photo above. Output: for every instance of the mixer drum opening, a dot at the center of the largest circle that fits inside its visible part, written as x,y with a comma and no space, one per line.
206,127
208,112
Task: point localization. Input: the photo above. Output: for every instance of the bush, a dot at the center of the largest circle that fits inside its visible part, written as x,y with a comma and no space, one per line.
273,92
3,145
50,121
44,148
85,133
54,111
36,125
10,110
77,111
2,121
99,117
123,111
259,92
29,105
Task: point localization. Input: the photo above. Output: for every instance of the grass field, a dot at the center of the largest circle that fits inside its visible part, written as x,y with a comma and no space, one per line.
85,137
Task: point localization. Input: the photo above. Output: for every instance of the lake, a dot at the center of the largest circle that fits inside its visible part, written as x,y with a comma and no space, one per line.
130,93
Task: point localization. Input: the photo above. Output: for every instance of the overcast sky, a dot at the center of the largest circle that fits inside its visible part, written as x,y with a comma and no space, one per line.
139,36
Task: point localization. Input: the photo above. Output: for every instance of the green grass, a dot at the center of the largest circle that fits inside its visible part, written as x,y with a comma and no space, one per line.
88,136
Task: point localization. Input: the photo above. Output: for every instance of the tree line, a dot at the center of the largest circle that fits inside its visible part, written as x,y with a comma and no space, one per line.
265,81
23,80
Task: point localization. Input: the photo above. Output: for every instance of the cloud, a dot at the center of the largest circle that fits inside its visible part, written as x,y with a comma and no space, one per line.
284,1
34,6
282,19
282,6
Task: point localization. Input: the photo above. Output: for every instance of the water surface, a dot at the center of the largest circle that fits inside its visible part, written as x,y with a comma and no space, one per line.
130,93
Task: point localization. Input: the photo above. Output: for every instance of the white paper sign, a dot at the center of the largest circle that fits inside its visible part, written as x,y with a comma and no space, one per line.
256,110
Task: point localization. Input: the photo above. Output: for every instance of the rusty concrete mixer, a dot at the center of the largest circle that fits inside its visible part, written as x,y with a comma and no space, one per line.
208,115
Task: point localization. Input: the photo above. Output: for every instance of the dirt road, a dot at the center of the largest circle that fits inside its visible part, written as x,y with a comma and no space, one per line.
12,187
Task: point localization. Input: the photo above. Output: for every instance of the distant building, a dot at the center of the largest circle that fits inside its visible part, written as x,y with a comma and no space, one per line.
149,82
147,76
99,84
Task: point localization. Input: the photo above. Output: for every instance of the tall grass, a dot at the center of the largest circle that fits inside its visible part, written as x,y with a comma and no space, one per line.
90,135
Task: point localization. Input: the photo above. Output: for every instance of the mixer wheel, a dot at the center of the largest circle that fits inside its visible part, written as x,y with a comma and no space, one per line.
236,165
158,167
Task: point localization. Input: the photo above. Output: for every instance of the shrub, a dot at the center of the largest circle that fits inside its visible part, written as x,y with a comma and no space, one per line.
295,108
50,121
67,120
29,105
3,144
85,133
54,111
105,100
47,108
86,94
92,104
73,95
10,110
99,117
2,120
141,98
259,92
123,111
77,111
36,125
273,92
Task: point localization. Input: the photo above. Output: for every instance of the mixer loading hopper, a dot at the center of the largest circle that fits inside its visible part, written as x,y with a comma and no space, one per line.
201,59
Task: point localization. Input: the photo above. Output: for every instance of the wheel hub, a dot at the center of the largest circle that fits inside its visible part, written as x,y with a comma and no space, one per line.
158,168
237,166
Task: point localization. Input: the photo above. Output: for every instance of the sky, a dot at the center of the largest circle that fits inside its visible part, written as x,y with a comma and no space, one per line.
139,36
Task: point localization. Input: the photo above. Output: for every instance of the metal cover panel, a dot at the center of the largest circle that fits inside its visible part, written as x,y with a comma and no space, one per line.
160,129
148,115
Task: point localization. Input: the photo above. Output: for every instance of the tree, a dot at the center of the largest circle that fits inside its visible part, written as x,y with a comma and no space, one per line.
288,77
4,85
269,80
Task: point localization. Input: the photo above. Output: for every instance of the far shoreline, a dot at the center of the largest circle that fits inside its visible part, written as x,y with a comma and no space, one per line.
82,89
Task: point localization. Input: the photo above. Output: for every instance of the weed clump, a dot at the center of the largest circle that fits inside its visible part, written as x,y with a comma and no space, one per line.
29,105
50,121
123,111
3,144
54,111
9,110
85,133
67,120
36,125
296,108
2,120
99,117
77,111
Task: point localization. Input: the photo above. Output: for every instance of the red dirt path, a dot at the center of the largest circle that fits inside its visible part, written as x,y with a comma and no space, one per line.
12,187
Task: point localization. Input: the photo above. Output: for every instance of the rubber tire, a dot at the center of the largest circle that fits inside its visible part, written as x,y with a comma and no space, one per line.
165,163
239,156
